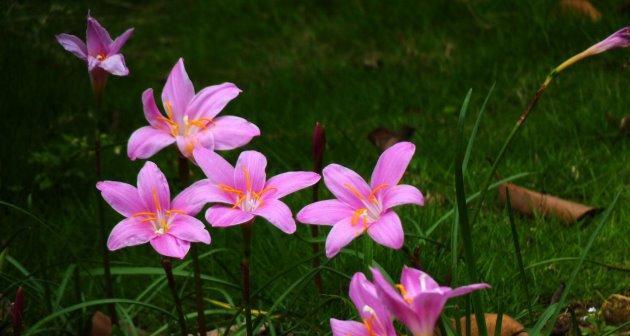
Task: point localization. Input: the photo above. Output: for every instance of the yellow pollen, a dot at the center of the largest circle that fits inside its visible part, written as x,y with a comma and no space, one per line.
356,216
378,188
100,57
404,293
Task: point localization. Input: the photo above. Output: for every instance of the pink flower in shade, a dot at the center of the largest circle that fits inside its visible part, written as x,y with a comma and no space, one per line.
191,119
151,216
419,300
360,206
246,189
619,39
102,54
376,318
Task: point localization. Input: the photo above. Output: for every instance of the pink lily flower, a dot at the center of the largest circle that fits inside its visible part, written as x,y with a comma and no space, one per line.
246,190
191,119
377,320
151,216
419,300
360,207
102,54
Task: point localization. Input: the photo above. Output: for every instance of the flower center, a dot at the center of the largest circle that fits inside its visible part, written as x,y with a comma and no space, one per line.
159,219
249,199
371,321
100,57
372,207
187,126
404,293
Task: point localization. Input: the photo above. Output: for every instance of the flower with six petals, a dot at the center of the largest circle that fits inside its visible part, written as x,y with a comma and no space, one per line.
246,191
169,226
362,207
191,119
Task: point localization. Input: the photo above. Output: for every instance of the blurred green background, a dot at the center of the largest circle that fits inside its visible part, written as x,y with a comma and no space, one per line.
354,66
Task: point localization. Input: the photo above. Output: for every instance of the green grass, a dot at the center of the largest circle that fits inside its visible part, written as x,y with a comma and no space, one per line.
301,63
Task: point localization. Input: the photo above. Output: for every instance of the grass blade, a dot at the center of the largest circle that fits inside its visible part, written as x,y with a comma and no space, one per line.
473,133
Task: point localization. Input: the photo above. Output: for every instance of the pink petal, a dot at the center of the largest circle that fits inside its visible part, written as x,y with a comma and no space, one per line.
115,65
326,212
153,188
363,293
146,141
415,281
428,306
122,197
224,216
97,37
402,194
170,246
151,112
232,132
93,63
341,234
187,144
459,291
278,214
290,182
216,168
346,185
73,44
192,199
129,232
249,173
394,301
118,43
348,328
392,164
211,100
178,91
189,228
388,230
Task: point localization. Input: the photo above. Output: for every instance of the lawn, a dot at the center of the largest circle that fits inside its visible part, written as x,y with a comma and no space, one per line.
353,66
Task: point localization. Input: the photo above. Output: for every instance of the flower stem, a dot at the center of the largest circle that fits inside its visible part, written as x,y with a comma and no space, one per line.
245,271
184,175
315,246
168,269
318,146
109,289
368,253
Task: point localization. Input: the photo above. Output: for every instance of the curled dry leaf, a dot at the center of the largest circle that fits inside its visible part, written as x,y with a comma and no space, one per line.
101,324
529,202
509,326
384,138
616,309
581,7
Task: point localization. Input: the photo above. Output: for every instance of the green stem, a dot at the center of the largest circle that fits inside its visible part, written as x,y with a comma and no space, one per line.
245,271
368,252
184,176
168,270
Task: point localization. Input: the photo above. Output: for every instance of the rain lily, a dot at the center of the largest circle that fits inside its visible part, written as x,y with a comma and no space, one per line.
151,216
191,119
360,206
376,318
619,39
102,54
246,190
419,300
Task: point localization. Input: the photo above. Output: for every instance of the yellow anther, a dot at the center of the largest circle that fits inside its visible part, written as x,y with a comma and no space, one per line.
354,191
378,188
404,293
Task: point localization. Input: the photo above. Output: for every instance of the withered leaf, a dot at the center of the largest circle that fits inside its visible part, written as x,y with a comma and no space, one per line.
581,7
616,309
384,138
101,324
509,326
528,202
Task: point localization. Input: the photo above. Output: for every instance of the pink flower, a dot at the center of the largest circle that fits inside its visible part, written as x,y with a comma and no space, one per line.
102,54
419,300
619,39
191,119
360,207
151,216
247,190
376,318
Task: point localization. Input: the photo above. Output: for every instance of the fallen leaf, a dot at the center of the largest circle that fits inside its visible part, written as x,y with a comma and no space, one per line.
101,324
616,309
582,7
372,60
529,202
384,138
509,326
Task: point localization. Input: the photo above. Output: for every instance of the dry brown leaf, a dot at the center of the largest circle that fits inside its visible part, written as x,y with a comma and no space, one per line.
101,324
582,7
509,326
384,138
529,202
616,309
